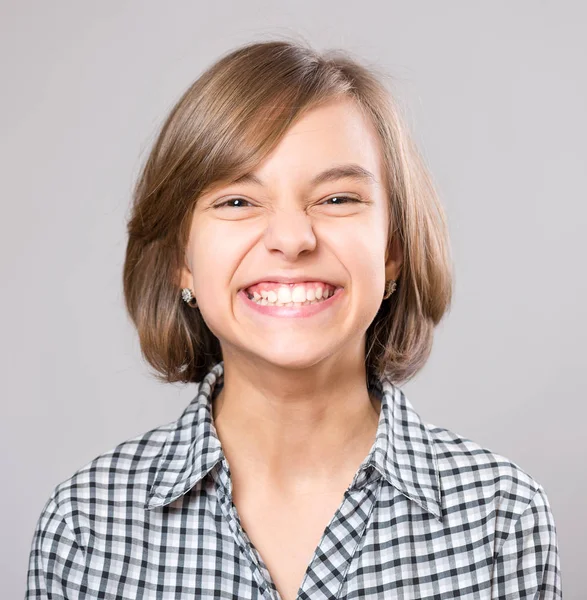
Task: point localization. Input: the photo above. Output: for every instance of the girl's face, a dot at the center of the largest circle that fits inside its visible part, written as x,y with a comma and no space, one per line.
282,223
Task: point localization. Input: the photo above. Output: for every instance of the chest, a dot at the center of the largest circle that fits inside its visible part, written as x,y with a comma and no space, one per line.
287,533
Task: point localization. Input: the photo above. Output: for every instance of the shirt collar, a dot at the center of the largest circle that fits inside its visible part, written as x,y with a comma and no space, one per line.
403,451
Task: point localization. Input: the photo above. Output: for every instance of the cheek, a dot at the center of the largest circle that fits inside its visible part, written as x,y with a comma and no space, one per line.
215,257
362,246
363,255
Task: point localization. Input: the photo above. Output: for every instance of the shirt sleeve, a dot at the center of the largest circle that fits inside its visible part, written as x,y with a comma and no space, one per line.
56,561
528,564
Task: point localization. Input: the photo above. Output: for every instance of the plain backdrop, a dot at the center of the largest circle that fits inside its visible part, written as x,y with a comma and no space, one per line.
495,94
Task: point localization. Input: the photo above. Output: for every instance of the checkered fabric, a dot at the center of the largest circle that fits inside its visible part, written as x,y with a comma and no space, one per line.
429,515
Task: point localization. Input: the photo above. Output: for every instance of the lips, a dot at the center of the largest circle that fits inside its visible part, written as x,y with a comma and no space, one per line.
294,305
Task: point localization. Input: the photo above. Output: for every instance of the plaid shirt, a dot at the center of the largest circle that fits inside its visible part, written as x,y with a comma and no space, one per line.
429,514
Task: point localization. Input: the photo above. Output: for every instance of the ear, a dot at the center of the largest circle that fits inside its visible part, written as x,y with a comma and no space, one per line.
185,277
394,259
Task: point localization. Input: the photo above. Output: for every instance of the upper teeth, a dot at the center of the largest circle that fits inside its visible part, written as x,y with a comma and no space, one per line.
285,294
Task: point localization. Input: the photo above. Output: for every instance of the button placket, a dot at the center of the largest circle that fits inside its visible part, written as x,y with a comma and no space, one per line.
327,570
258,568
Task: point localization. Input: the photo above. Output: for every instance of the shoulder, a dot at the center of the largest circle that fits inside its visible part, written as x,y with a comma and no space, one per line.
115,481
494,499
464,463
128,463
484,488
84,513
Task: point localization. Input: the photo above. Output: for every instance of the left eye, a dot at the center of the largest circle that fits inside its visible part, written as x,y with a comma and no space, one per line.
348,198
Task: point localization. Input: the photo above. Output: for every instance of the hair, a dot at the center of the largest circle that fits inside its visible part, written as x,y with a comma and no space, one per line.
223,126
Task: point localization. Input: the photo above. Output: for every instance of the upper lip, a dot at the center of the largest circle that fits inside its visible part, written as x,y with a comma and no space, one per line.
290,279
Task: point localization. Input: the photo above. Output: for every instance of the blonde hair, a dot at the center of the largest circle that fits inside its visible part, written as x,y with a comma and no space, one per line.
222,127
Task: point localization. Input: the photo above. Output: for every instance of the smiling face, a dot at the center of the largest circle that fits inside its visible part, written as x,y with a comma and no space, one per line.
289,219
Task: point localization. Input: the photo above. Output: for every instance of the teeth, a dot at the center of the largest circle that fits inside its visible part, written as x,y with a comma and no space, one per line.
285,296
264,302
297,295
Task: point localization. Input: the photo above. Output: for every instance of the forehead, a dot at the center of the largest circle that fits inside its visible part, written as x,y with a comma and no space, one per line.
328,135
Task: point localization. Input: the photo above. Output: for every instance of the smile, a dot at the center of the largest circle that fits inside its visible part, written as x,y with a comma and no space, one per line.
269,304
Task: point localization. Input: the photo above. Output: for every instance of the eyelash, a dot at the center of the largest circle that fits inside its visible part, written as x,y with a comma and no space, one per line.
351,200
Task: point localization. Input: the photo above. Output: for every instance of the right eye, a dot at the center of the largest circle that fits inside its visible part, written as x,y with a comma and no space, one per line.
226,202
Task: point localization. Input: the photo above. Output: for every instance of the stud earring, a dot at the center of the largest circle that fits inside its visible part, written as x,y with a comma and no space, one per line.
188,297
389,289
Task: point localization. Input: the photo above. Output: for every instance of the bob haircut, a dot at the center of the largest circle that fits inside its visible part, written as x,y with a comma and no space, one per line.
222,127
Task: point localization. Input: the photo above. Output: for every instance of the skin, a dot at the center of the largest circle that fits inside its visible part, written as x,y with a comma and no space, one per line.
295,418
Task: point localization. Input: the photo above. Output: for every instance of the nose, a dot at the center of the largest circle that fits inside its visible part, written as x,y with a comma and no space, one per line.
290,232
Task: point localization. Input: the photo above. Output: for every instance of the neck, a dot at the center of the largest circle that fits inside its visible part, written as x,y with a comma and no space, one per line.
296,435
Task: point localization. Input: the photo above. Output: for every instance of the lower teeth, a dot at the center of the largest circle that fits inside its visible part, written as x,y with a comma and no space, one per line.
264,302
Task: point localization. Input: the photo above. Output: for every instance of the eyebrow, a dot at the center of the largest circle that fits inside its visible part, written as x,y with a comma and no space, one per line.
345,171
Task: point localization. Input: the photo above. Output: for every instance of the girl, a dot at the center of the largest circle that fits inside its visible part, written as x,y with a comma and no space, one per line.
287,253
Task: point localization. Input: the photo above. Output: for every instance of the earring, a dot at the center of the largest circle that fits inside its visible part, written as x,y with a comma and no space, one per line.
188,297
389,289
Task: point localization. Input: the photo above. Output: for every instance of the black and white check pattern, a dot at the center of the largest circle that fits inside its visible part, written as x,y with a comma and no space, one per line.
428,515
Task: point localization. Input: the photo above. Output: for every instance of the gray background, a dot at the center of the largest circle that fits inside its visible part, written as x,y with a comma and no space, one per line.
496,95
